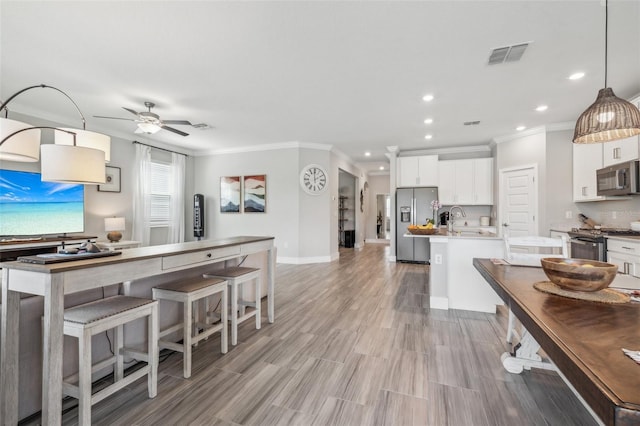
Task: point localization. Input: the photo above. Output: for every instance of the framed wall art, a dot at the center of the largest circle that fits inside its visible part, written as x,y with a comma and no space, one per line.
255,193
112,181
230,194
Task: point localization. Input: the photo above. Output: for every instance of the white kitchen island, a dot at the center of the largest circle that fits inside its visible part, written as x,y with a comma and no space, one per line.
454,283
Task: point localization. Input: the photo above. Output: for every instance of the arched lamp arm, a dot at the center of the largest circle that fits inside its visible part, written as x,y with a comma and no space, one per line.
39,127
43,86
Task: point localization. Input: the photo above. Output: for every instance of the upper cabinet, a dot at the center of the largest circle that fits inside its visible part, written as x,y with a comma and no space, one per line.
587,158
623,149
466,182
417,171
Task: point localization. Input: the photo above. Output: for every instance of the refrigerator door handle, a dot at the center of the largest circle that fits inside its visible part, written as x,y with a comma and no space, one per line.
413,211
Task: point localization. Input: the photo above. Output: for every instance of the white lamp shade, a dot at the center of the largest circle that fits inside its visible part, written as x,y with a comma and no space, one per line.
149,127
72,164
114,224
86,139
23,147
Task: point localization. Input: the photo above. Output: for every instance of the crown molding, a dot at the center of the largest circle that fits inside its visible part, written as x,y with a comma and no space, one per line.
266,147
443,151
514,136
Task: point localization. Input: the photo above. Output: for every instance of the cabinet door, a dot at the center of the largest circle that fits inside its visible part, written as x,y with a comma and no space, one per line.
587,158
465,188
428,170
622,150
408,171
483,181
626,263
446,182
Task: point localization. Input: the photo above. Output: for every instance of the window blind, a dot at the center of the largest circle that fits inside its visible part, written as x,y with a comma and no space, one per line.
160,194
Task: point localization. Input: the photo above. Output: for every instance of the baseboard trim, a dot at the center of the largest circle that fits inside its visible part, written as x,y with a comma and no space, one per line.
391,258
376,241
439,303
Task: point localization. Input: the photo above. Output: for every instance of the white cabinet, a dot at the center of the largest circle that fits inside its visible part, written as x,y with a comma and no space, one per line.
625,254
466,182
623,149
587,158
417,171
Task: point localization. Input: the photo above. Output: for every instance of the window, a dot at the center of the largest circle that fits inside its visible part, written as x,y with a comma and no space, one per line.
160,194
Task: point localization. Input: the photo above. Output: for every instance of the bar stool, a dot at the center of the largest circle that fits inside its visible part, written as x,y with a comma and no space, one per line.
236,276
86,320
187,292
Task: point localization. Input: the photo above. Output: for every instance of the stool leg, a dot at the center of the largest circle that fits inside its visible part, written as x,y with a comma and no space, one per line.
258,303
84,381
196,317
118,340
152,378
186,339
223,320
234,313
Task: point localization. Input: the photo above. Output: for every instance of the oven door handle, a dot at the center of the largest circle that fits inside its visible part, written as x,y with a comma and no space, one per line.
582,242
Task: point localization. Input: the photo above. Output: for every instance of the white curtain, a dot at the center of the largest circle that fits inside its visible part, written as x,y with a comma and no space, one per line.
141,229
176,209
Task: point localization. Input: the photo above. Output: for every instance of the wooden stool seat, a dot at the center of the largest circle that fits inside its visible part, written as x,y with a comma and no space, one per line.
84,321
188,292
236,276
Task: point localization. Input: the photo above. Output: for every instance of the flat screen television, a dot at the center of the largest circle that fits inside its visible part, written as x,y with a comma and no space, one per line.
31,207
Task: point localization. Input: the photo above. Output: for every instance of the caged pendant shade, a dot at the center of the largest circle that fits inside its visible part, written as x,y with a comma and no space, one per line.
609,118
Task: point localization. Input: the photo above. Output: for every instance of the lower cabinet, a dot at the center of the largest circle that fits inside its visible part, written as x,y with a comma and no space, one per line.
625,254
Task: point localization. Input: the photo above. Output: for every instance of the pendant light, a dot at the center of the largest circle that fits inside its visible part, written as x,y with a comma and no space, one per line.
609,118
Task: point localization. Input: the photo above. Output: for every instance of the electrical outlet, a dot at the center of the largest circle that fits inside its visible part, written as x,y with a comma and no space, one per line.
437,259
568,214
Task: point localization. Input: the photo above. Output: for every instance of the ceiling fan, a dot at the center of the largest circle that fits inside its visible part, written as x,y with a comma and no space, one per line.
149,122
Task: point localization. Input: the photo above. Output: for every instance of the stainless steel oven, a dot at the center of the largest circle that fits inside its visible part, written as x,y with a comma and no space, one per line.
588,247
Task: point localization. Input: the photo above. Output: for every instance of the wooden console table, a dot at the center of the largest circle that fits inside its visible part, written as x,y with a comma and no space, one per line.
53,281
583,339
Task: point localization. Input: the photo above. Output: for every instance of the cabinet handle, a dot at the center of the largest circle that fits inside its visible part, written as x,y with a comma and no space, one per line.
584,191
629,248
616,153
626,268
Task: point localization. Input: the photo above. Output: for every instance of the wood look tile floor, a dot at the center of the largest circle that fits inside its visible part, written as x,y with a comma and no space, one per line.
354,343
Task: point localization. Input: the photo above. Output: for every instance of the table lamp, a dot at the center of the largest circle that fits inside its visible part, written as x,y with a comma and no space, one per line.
113,225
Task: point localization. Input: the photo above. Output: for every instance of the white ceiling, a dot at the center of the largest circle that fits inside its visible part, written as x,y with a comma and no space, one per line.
348,74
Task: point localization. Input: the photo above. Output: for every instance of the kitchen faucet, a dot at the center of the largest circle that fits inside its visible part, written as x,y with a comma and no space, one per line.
450,227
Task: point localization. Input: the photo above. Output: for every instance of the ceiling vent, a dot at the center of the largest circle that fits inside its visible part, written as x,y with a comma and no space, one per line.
471,123
513,53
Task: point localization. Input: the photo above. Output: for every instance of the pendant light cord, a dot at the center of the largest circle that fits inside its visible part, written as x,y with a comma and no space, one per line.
606,41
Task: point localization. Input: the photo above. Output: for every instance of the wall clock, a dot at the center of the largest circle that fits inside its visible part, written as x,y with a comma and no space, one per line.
313,179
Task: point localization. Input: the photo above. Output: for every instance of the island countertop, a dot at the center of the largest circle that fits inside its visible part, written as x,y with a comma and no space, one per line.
469,233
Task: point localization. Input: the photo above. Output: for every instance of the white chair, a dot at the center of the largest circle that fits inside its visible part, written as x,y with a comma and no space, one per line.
527,251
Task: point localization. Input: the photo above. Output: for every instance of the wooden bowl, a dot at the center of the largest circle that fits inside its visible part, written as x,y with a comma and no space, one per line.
418,231
579,274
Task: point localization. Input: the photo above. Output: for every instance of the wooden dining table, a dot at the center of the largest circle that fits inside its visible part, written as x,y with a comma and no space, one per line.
583,339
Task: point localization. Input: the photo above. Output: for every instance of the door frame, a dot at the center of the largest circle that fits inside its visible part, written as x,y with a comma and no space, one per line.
501,194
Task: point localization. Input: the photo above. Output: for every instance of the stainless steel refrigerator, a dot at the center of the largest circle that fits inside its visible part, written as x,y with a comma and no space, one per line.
413,207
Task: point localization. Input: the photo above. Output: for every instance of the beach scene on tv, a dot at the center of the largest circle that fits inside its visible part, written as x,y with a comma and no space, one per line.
30,207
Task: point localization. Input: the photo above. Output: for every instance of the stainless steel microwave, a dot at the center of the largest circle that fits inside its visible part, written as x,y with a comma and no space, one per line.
619,179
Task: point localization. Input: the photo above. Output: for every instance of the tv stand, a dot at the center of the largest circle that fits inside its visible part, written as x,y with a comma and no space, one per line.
11,248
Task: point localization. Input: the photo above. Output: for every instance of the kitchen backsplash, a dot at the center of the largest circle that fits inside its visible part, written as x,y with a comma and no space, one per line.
473,214
613,214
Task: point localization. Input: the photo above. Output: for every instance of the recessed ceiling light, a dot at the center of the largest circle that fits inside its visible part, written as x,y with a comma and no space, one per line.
427,98
427,137
381,167
576,76
520,128
541,108
367,154
428,121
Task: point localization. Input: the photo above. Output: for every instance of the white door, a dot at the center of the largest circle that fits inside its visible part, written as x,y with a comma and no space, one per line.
519,201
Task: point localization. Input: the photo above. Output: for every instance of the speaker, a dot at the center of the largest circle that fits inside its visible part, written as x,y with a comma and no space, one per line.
198,216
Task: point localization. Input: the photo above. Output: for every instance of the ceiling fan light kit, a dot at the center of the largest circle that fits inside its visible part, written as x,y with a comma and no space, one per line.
78,158
609,118
150,122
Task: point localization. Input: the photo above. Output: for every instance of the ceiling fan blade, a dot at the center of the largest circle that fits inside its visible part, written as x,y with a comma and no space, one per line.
130,110
180,122
114,118
171,129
